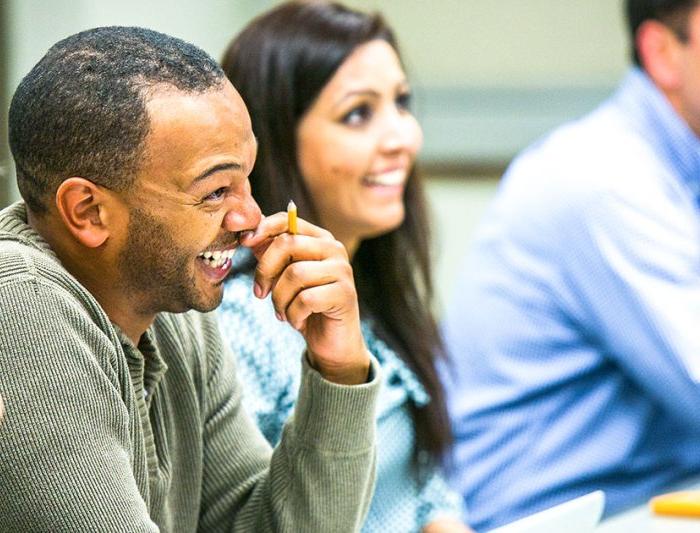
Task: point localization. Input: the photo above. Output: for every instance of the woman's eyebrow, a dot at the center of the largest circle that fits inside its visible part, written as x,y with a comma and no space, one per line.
360,92
400,85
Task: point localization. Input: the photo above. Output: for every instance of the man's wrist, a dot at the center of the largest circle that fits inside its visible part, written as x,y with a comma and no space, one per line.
351,374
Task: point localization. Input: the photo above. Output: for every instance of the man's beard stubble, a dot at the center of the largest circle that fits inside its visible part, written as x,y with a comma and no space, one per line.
156,271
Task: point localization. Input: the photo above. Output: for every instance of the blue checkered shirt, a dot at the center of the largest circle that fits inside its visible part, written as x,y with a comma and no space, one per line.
576,324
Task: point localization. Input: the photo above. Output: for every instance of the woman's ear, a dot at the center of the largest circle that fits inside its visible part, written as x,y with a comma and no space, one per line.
82,205
660,52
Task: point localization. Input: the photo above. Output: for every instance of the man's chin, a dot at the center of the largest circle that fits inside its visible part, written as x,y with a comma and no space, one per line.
205,305
200,301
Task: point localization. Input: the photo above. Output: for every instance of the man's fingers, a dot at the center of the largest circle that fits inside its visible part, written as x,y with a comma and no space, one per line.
289,249
274,225
323,299
307,274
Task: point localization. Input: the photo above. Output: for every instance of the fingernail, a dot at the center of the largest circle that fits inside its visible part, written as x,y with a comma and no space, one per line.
257,290
279,316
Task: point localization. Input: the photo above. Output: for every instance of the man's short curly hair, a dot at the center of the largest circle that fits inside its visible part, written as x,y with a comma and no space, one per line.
81,111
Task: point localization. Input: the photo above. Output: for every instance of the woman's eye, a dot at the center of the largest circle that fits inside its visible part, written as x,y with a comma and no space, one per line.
218,194
358,115
403,101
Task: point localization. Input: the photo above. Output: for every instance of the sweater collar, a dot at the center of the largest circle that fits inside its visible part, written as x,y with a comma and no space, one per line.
14,226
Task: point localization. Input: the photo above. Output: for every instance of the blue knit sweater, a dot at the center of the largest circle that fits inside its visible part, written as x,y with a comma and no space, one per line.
269,364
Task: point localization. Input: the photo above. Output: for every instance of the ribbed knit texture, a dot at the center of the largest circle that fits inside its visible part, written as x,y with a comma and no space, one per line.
101,435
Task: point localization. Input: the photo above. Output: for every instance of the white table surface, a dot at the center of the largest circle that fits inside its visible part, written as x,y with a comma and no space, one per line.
642,520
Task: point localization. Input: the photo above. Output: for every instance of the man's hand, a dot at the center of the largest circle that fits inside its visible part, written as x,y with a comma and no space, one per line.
447,525
312,287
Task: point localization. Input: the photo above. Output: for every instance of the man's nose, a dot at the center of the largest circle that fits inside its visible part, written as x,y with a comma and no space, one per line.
243,215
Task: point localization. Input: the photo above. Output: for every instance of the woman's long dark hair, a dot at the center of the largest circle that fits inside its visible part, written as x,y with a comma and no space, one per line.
279,64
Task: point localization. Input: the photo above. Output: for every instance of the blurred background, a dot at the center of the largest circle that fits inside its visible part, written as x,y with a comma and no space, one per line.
489,77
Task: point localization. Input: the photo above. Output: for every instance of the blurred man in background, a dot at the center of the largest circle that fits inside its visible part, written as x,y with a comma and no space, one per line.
576,336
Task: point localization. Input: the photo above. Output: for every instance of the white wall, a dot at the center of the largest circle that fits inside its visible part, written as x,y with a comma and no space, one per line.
509,43
456,207
34,25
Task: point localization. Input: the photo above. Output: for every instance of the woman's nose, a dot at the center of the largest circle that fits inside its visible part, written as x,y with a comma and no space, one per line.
401,131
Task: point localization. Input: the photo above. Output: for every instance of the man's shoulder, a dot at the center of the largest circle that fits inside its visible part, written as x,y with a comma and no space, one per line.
23,266
559,183
580,163
600,150
47,315
22,252
19,257
33,279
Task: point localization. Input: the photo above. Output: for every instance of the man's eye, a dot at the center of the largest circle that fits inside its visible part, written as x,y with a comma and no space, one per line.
358,115
218,194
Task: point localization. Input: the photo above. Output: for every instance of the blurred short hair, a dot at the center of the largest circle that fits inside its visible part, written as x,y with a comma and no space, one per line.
672,13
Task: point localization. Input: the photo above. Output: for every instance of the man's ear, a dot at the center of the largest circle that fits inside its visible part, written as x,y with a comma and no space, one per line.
660,52
82,206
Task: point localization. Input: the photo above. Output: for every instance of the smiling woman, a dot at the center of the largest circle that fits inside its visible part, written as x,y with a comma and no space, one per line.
357,144
330,106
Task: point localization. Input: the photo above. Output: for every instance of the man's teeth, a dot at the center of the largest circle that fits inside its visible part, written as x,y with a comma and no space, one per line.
395,177
218,258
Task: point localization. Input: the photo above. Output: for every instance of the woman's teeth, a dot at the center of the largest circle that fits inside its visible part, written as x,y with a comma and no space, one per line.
394,177
218,258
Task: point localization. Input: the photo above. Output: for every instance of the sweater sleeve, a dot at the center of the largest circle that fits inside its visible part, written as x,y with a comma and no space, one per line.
65,459
320,476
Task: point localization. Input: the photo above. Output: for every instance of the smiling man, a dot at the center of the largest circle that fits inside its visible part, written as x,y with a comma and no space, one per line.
133,153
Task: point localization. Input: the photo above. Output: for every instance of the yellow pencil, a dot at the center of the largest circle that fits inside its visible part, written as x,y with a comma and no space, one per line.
681,503
292,217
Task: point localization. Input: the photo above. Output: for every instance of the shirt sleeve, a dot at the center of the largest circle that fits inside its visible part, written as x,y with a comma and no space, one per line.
320,476
635,271
65,459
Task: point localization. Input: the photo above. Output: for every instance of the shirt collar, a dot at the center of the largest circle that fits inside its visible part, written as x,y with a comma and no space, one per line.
653,116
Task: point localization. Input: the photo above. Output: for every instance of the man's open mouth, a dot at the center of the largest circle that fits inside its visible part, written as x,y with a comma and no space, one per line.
217,258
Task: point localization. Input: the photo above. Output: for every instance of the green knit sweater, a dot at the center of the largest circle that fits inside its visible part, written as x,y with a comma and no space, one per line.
102,435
